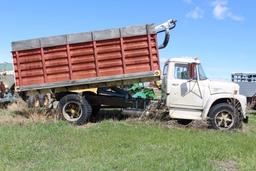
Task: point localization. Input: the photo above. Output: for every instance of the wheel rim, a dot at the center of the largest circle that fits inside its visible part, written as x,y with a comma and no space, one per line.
72,111
224,120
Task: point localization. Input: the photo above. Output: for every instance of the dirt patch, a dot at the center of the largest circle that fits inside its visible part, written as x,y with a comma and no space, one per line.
19,113
164,119
193,124
18,108
21,119
246,128
8,119
196,125
226,165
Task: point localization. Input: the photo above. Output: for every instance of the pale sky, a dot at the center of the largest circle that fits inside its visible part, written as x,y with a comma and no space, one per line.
222,33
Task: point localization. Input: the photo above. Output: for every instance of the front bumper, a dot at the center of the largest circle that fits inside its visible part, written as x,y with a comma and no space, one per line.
243,101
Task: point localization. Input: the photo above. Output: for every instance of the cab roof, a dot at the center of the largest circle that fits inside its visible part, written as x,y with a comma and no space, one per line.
184,60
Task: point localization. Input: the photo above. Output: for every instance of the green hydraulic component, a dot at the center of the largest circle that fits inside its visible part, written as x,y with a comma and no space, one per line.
138,90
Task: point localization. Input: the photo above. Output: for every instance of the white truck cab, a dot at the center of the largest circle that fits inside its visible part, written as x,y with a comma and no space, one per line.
190,95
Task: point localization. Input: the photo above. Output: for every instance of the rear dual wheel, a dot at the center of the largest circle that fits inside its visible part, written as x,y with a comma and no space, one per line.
43,100
75,109
33,102
36,101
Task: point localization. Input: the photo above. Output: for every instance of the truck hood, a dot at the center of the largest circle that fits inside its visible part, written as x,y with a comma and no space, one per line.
217,87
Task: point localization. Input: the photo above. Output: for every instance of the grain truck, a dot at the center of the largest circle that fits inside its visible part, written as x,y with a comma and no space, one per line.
84,72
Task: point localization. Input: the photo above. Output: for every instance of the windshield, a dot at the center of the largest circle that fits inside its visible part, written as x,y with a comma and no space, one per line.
201,73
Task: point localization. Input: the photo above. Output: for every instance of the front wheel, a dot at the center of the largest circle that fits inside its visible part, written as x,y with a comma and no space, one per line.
224,116
75,109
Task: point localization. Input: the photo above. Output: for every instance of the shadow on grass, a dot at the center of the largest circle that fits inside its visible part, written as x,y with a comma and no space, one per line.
108,114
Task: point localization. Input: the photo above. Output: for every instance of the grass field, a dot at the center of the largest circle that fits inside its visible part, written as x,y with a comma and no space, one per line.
124,145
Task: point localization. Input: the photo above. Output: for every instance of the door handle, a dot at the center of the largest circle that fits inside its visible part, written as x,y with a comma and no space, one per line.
175,84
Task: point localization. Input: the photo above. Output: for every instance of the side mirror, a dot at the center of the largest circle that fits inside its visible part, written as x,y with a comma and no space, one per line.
192,72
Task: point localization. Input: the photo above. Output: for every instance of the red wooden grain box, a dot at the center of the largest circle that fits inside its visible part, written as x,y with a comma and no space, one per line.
86,58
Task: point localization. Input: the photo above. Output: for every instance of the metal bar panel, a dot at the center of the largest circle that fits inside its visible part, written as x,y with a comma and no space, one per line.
150,52
95,58
157,52
18,67
123,54
96,80
43,62
83,37
69,62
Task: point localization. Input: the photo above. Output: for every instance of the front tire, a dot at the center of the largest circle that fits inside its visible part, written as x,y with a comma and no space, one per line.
75,109
224,116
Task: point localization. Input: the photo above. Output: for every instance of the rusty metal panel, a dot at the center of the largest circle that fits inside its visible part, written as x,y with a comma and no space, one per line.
102,54
83,37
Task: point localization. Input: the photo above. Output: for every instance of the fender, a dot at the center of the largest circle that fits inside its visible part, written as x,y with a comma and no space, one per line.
213,98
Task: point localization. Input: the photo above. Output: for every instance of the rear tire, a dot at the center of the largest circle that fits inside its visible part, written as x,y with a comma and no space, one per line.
33,102
224,116
75,109
43,100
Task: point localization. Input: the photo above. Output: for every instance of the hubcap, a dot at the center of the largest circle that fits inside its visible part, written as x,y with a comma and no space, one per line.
72,111
224,120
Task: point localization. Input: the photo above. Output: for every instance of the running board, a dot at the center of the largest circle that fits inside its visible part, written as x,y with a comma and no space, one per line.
181,113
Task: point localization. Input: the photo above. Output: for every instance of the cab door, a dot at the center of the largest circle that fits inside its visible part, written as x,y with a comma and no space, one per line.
164,83
184,90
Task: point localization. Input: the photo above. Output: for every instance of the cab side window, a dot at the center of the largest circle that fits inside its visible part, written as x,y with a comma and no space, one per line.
181,71
165,71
